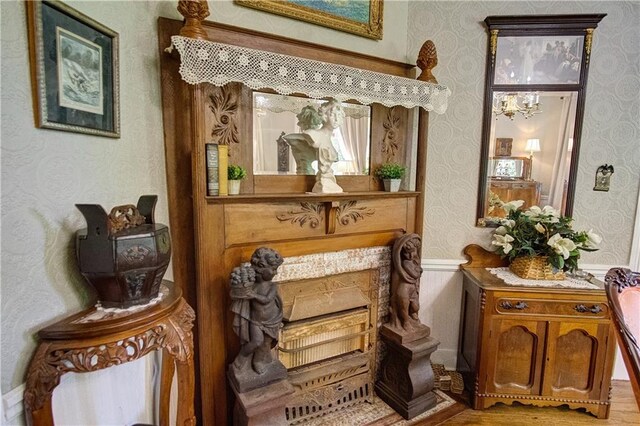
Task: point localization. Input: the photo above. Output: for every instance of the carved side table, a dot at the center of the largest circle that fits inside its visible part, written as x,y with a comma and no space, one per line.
95,339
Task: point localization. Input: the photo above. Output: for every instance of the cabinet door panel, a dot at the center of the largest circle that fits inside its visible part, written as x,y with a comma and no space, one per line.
575,356
514,358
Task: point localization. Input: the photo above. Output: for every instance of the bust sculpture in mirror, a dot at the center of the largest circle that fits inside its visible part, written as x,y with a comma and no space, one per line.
533,110
276,117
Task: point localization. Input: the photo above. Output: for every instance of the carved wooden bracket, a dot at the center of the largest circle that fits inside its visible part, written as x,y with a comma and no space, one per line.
331,213
335,212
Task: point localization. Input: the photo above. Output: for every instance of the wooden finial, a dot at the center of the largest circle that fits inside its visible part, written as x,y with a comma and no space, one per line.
427,60
194,12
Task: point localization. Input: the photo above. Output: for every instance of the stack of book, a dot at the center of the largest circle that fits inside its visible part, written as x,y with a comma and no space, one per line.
217,163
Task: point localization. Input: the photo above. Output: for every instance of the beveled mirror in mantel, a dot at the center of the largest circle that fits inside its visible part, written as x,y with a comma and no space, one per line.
276,115
533,110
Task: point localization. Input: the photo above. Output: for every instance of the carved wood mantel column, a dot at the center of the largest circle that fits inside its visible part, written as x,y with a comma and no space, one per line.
93,340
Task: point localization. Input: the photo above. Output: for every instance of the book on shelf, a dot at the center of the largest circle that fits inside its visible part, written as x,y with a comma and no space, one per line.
217,157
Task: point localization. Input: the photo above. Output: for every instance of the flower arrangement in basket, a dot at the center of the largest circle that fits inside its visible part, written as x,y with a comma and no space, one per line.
539,242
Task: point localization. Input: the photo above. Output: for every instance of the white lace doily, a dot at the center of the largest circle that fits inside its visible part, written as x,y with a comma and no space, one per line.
203,61
512,279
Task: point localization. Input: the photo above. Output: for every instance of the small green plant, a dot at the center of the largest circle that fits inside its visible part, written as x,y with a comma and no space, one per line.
235,172
390,171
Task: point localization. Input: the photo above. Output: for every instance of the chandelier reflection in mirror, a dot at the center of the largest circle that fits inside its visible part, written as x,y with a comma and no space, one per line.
512,104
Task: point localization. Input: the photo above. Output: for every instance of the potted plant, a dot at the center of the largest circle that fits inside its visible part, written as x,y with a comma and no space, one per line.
235,174
539,242
391,174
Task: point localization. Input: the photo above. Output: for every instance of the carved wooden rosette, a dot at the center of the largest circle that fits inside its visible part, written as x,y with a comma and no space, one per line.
223,103
54,359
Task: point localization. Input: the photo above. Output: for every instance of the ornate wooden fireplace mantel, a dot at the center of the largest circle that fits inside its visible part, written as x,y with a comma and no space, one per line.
212,235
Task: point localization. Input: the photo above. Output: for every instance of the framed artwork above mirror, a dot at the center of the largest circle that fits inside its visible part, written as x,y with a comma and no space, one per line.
535,85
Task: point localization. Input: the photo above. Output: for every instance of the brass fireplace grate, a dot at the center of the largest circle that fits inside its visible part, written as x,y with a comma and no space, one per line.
329,399
305,342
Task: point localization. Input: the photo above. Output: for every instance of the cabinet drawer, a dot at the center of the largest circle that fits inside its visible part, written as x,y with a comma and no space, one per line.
569,308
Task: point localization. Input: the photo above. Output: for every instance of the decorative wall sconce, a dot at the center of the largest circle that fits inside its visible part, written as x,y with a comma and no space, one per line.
507,104
603,177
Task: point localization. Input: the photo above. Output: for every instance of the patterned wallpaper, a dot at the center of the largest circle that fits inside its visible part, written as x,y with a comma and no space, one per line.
610,134
45,172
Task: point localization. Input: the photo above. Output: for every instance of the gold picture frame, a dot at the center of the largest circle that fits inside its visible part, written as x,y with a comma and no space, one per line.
320,13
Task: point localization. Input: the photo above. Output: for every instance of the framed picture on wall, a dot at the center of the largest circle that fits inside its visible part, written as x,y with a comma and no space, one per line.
539,60
363,17
74,70
503,147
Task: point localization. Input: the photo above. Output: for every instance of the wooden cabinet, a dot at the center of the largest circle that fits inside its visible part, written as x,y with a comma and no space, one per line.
535,345
510,190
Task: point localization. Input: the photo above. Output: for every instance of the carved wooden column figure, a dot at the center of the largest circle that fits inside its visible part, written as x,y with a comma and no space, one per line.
258,379
95,339
407,380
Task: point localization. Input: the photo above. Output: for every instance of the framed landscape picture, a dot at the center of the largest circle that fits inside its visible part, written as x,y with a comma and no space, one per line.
74,70
362,17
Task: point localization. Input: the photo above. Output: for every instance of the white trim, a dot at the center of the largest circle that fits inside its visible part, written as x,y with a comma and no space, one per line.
599,270
12,405
450,265
634,258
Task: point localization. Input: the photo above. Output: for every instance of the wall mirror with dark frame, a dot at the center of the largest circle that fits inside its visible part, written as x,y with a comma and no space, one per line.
535,87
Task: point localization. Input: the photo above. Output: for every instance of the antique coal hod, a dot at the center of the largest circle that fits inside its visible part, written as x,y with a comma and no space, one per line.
123,255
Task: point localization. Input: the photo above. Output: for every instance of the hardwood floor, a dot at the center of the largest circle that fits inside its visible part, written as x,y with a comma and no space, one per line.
624,411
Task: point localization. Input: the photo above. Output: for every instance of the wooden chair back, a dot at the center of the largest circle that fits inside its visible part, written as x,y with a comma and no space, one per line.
623,292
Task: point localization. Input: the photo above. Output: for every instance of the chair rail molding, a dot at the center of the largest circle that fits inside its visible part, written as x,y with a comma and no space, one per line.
12,404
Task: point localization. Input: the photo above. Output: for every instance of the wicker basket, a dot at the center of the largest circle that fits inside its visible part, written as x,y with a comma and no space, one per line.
535,268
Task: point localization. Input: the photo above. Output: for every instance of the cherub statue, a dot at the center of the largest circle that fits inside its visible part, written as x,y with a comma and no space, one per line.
258,310
317,127
427,60
405,283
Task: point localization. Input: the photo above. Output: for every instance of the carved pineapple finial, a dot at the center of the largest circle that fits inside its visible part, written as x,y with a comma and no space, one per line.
427,60
194,12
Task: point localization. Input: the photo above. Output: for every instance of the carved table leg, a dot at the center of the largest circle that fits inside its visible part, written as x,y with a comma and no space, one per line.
42,378
167,370
179,345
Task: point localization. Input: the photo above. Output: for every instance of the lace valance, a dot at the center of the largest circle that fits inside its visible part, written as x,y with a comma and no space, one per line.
204,61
